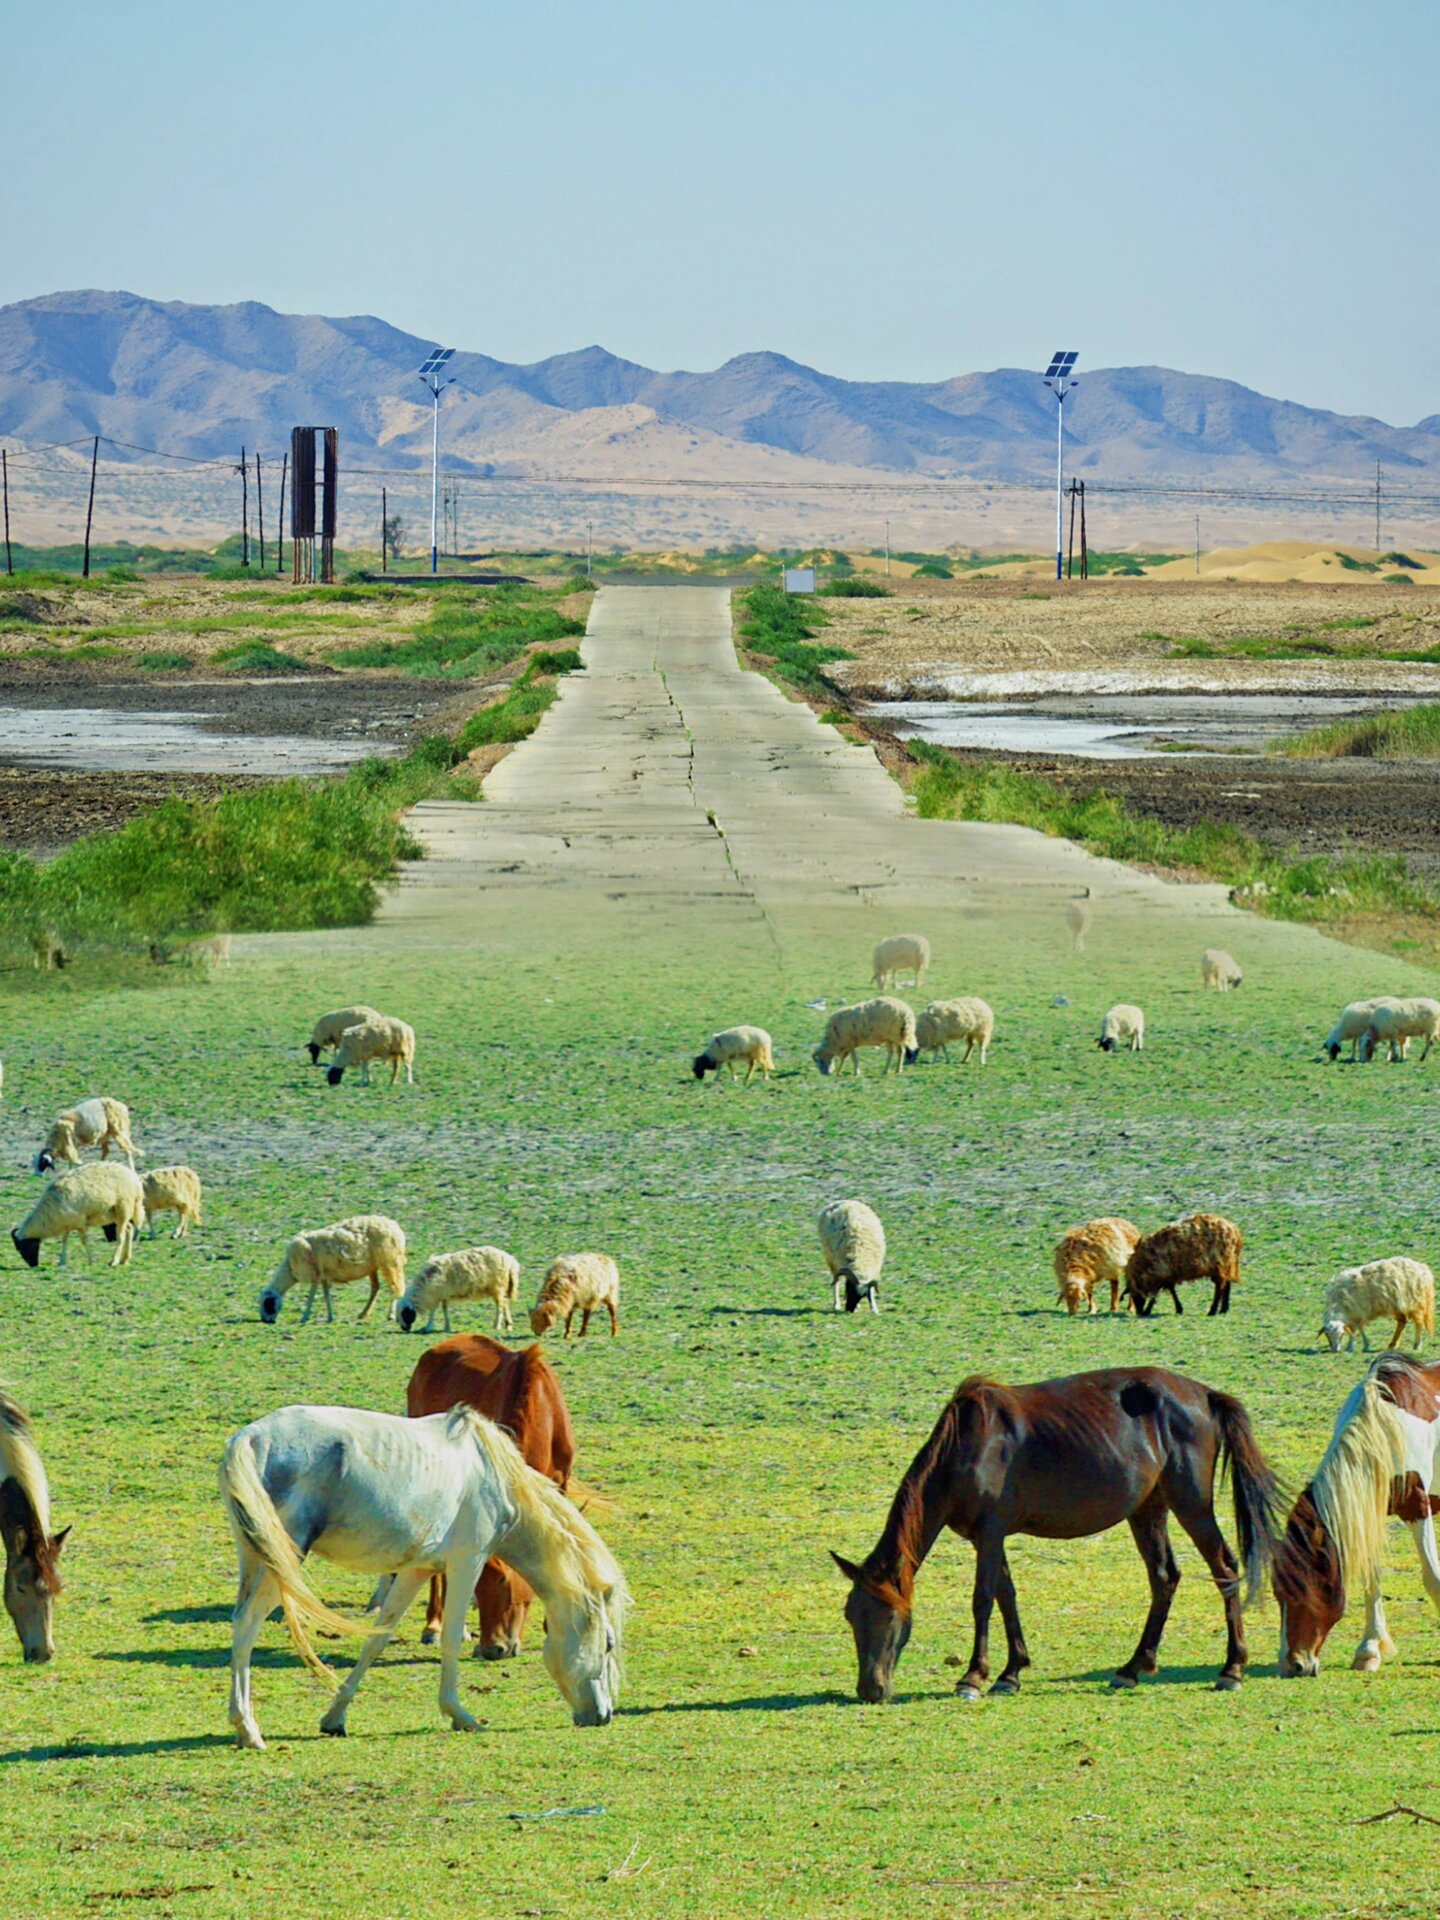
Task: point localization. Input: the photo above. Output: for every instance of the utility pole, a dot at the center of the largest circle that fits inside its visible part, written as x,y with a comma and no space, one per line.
1070,545
1084,538
887,549
1377,509
90,509
280,537
384,531
5,486
260,508
430,375
589,548
1059,377
1197,546
244,471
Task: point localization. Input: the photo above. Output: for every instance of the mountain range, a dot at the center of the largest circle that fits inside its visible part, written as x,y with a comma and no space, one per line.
203,380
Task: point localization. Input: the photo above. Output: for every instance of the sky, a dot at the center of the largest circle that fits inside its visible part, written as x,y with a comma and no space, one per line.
902,191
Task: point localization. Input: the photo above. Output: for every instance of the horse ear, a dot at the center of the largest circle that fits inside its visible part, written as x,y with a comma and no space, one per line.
57,1544
847,1567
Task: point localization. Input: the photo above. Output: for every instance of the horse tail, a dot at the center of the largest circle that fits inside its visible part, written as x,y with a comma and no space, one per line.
256,1523
1258,1498
1352,1484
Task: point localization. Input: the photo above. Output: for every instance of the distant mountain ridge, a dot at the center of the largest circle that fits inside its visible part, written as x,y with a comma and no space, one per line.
202,380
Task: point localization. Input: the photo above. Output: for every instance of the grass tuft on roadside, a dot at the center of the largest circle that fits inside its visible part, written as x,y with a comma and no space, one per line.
471,631
779,629
1404,733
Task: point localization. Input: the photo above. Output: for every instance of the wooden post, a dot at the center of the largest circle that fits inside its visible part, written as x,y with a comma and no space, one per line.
244,509
260,508
384,531
280,537
90,510
5,484
1084,543
1070,549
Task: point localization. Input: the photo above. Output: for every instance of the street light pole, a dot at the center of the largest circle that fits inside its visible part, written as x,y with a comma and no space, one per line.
1058,378
430,375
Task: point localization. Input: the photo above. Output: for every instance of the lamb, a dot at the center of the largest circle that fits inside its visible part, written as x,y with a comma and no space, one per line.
853,1242
1398,1022
1078,919
1121,1024
382,1039
1353,1021
902,953
479,1273
1382,1288
1088,1256
330,1028
577,1283
99,1123
1206,1246
102,1195
752,1045
871,1023
967,1019
172,1190
368,1246
1219,969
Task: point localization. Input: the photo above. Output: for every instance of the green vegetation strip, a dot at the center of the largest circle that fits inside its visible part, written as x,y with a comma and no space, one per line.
779,628
471,632
1405,733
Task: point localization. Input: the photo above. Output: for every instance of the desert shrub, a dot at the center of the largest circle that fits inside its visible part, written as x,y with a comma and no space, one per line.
856,588
932,570
258,656
163,662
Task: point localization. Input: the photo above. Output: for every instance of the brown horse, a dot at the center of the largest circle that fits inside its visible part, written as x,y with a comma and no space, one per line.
32,1551
520,1392
1062,1460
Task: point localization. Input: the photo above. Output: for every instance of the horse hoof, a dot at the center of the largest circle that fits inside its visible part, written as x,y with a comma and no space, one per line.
1004,1685
429,1637
1366,1663
1228,1683
1123,1682
335,1733
968,1692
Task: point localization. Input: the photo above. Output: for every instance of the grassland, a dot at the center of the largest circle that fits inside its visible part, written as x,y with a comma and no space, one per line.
1408,733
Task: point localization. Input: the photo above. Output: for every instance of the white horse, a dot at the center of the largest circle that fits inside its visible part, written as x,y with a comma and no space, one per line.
413,1498
32,1551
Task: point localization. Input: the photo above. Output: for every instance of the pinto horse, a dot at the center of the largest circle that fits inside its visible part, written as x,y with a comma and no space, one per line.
521,1393
1061,1460
1380,1464
32,1551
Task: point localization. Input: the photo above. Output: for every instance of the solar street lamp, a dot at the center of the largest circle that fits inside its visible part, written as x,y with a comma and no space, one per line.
1060,380
435,364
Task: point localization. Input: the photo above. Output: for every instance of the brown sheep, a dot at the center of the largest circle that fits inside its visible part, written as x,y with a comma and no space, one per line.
1088,1256
1206,1246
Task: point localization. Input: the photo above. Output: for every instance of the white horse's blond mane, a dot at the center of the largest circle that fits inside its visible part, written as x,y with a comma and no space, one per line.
1351,1488
20,1460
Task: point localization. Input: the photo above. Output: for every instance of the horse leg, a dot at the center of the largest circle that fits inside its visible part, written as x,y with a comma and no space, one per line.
461,1580
403,1589
257,1597
1204,1530
1375,1642
1150,1528
989,1559
1424,1532
1017,1656
435,1611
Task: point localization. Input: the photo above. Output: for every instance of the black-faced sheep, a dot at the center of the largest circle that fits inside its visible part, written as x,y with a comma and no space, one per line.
873,1023
104,1195
368,1246
94,1123
383,1039
330,1028
476,1273
853,1242
1123,1025
750,1047
1381,1290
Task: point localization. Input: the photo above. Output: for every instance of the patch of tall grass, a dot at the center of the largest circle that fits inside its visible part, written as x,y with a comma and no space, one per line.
515,718
780,629
1404,733
471,631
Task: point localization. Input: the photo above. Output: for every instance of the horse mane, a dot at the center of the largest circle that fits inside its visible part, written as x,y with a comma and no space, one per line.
21,1464
889,1570
1351,1487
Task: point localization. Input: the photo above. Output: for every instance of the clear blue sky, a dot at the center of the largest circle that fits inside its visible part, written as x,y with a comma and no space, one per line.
903,191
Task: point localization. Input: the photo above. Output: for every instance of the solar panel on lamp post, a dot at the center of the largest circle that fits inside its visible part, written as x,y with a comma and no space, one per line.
1058,377
430,374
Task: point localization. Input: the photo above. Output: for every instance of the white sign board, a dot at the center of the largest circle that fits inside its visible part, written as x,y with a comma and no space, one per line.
799,580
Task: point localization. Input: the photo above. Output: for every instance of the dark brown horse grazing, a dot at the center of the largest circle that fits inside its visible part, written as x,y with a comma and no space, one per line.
520,1392
1061,1460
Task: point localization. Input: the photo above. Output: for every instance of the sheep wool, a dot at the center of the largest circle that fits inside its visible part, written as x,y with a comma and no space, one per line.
1353,1021
1398,1289
368,1246
1207,1246
172,1190
477,1273
1123,1025
99,1123
383,1039
968,1019
1396,1023
1219,969
577,1283
103,1194
330,1027
750,1047
1090,1256
853,1243
872,1023
901,953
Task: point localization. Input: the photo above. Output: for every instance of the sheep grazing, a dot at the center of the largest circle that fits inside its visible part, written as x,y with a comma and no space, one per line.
94,1123
577,1283
104,1195
1089,1256
479,1273
47,952
872,1023
1204,1247
966,1019
369,1246
1219,969
330,1029
750,1046
172,1190
853,1242
1079,919
902,953
1397,1023
1404,1289
1353,1021
1122,1025
383,1039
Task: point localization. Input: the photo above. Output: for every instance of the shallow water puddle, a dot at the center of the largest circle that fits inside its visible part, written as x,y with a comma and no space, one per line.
100,740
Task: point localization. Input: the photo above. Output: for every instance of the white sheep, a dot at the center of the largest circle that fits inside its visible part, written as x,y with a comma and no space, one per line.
577,1283
102,1123
1219,969
1121,1024
1397,1023
968,1019
172,1190
853,1242
477,1273
368,1246
383,1039
872,1023
1381,1289
330,1028
1353,1021
1078,919
750,1046
1087,1257
901,953
104,1195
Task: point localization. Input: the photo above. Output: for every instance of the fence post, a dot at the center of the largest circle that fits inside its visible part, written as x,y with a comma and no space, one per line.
244,472
5,483
280,536
260,508
90,510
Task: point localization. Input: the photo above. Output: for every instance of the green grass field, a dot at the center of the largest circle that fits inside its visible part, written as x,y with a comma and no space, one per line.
738,1426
